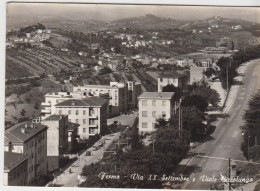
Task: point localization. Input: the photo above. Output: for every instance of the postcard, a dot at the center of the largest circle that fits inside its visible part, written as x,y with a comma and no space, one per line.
132,96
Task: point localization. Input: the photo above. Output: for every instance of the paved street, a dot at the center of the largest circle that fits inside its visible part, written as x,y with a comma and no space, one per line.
225,142
70,179
123,119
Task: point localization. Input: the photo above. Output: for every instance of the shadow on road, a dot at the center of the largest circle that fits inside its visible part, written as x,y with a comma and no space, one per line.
214,117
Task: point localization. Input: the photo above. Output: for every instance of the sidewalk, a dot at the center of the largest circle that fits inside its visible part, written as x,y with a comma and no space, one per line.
68,179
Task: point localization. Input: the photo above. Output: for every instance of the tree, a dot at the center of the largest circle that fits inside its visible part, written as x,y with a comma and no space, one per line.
252,124
23,112
195,100
172,88
193,121
105,70
210,72
203,89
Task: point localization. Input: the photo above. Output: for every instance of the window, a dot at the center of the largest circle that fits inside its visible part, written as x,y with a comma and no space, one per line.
163,103
144,103
84,121
164,114
60,112
154,103
144,125
84,112
154,114
84,130
77,121
161,79
77,112
69,112
144,113
91,112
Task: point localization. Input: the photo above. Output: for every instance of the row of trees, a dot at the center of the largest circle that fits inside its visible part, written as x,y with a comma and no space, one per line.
252,129
228,64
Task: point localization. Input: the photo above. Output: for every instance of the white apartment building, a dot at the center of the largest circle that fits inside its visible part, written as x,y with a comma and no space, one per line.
90,113
175,78
152,106
30,139
118,95
51,99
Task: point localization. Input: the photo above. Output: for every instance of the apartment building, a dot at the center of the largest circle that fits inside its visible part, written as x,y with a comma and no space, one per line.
118,95
90,113
152,106
175,78
15,169
30,139
51,99
57,142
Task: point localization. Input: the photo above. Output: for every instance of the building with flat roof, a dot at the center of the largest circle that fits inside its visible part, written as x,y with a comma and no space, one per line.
90,113
57,142
15,169
30,139
152,106
118,95
175,78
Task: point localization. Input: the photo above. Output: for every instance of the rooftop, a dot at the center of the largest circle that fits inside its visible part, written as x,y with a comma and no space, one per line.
53,118
15,134
12,160
89,102
156,95
171,74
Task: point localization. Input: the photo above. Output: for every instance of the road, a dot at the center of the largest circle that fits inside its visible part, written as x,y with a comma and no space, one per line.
225,142
68,179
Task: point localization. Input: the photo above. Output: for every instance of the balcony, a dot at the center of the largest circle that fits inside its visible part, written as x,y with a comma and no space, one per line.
93,125
45,104
47,111
93,116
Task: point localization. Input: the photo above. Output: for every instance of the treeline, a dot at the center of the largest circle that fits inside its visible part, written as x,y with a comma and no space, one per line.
251,137
230,65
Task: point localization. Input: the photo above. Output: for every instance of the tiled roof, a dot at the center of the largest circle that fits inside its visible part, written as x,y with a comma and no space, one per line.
14,134
171,74
163,95
12,160
90,102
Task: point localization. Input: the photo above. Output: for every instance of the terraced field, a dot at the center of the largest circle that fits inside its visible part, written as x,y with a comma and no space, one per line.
38,61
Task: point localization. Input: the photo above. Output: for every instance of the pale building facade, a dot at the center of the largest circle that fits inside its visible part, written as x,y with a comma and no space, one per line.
152,106
57,142
30,139
177,79
90,113
117,92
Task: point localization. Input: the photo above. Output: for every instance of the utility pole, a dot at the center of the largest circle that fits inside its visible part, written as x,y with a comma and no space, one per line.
229,169
227,78
248,147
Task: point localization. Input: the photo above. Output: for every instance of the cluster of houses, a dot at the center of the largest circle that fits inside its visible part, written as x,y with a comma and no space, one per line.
34,38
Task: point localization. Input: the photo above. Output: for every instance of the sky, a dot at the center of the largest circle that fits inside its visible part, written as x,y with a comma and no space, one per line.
113,12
